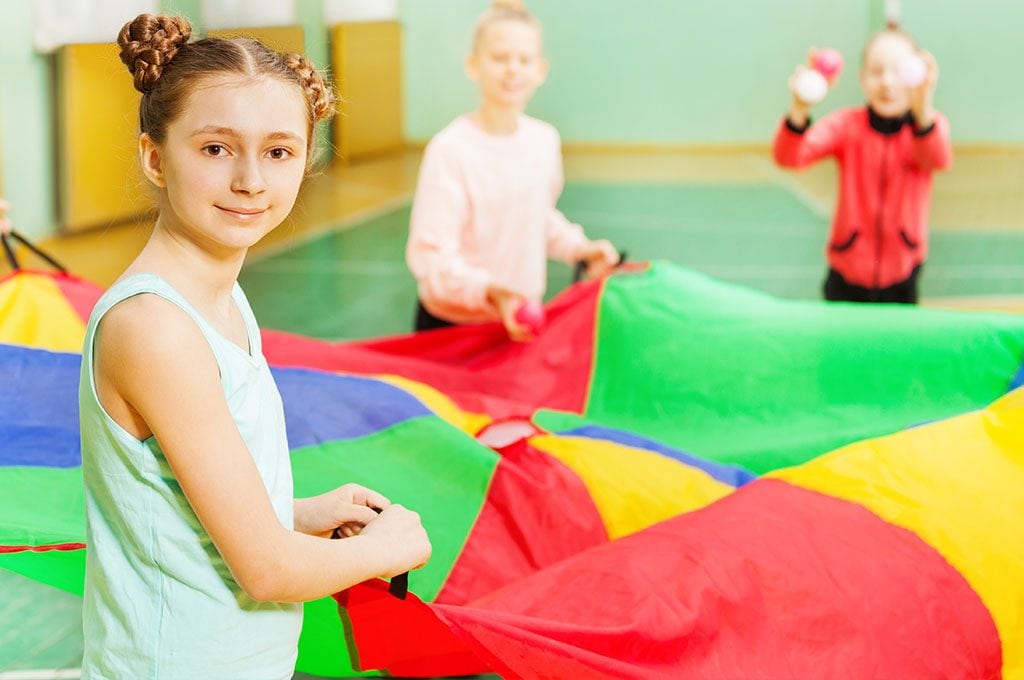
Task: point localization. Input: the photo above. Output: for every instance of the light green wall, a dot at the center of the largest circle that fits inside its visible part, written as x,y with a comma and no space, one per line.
660,71
317,48
697,72
185,8
26,133
981,56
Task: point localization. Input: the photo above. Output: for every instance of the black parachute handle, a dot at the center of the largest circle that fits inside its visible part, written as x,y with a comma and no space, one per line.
399,586
9,237
581,267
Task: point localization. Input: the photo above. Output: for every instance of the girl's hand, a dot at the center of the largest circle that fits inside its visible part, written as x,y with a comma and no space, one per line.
5,224
922,96
401,539
601,258
800,110
348,509
507,303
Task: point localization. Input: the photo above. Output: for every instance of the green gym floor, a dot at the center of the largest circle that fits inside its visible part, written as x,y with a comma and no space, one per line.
354,283
732,216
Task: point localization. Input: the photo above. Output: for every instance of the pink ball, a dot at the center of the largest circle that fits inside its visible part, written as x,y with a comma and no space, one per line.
531,315
828,62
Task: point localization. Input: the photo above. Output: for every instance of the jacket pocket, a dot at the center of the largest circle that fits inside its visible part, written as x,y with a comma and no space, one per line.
912,244
845,245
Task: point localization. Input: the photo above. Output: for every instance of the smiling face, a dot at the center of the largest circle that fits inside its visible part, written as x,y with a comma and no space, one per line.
508,63
232,162
879,74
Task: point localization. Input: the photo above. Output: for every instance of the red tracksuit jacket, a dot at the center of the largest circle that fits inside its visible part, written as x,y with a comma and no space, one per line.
880,229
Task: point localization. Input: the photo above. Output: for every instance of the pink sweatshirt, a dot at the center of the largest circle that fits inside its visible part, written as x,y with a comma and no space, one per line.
484,213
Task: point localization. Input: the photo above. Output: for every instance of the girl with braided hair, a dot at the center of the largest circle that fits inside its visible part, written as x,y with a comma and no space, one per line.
199,554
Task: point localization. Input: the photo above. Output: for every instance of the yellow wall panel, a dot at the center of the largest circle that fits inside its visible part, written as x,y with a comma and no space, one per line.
277,38
366,61
99,179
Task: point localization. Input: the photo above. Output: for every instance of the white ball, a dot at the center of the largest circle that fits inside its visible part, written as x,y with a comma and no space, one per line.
811,87
912,70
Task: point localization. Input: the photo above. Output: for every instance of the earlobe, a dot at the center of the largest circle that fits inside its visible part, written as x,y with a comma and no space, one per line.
151,161
472,68
543,71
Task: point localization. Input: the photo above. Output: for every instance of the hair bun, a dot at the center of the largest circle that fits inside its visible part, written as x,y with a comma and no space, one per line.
510,5
319,93
148,43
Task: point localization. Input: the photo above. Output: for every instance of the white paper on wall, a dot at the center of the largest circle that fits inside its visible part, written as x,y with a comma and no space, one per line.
68,22
248,13
348,11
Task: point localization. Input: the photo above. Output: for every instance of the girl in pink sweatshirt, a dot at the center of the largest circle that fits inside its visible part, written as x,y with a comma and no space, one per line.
484,220
886,152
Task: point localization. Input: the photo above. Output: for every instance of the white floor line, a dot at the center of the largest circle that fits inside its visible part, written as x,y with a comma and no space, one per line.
652,223
43,674
984,300
799,191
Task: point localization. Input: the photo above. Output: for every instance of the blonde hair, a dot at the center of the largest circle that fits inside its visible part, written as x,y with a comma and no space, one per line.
166,67
503,10
892,28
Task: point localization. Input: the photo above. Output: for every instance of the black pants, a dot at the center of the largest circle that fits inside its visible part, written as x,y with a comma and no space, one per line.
425,321
837,289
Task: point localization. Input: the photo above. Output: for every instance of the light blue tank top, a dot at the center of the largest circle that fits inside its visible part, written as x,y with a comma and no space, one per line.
159,599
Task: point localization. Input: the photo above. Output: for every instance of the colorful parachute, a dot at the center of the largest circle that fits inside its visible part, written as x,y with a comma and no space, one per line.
646,491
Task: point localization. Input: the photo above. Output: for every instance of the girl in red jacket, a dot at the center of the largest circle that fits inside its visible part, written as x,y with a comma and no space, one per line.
886,152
